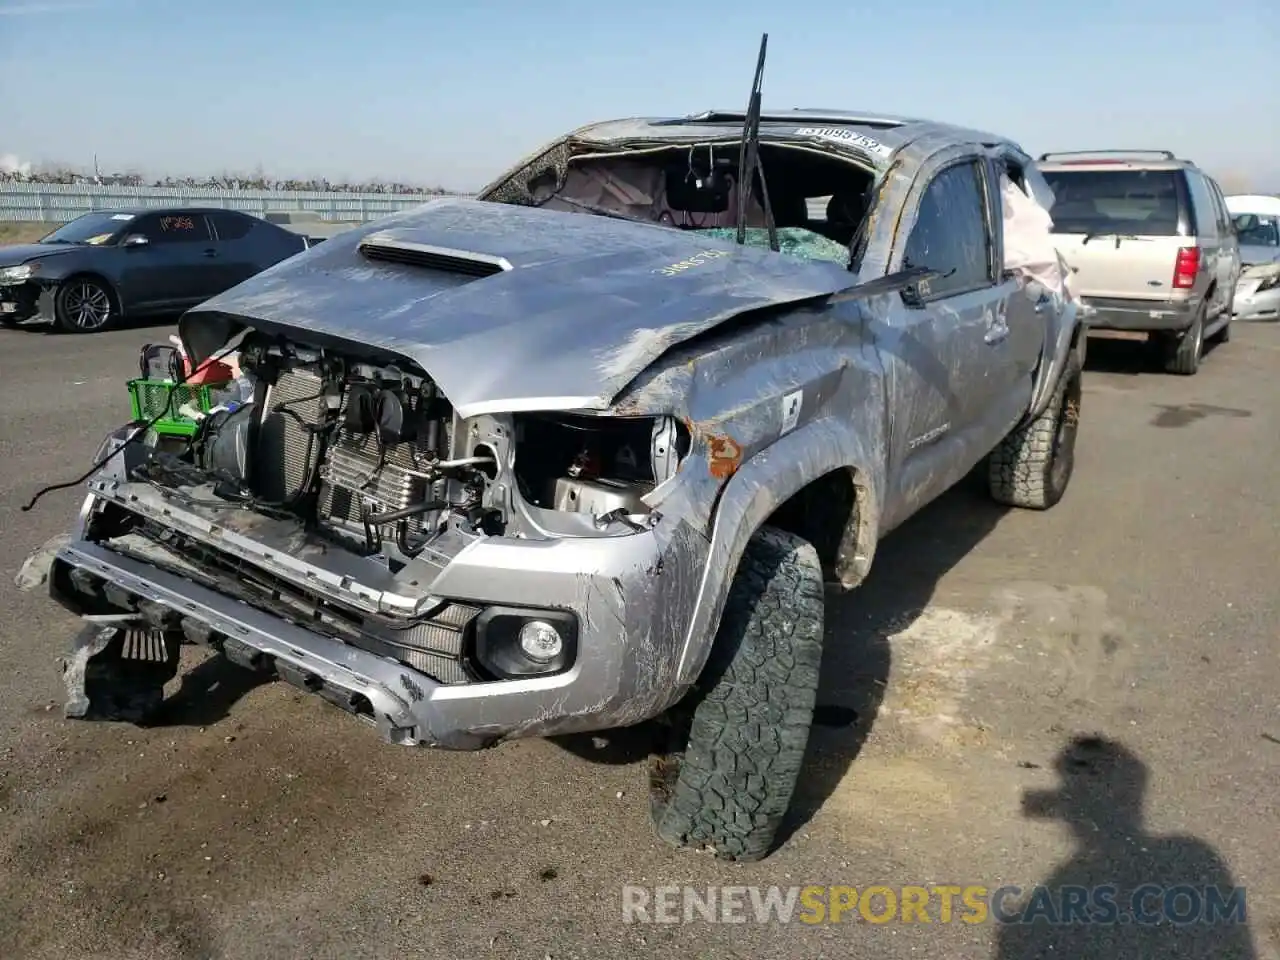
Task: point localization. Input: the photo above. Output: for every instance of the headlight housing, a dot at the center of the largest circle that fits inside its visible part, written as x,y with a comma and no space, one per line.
1268,282
18,274
596,465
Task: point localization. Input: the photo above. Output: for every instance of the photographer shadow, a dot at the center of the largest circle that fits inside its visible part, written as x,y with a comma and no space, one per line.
1167,896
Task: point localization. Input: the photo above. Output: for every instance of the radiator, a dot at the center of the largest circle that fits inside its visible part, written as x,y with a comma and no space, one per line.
283,464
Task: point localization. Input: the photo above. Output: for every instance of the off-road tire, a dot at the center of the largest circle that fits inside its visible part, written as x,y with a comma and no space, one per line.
1032,466
727,780
1182,354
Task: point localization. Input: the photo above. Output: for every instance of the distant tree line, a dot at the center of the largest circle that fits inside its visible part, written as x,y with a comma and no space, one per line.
257,181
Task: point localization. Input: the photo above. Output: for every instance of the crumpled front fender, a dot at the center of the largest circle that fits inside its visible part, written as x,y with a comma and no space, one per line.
1065,330
764,483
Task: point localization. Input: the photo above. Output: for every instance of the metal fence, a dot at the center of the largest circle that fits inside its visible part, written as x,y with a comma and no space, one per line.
59,202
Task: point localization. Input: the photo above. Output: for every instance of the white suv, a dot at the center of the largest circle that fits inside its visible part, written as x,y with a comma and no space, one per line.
1151,246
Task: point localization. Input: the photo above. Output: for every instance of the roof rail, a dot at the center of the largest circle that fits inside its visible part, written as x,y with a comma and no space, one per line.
1162,154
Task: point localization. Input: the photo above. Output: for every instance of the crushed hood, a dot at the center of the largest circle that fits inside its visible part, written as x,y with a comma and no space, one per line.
1260,271
512,308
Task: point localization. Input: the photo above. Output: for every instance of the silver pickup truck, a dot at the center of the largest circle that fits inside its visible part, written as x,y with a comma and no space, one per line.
586,451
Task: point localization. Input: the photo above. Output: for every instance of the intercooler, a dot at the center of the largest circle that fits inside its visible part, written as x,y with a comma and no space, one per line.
356,471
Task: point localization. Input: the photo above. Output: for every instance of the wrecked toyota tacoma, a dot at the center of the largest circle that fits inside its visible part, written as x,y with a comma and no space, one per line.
586,451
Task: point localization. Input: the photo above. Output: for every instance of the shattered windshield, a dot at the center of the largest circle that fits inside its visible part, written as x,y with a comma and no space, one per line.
815,202
793,241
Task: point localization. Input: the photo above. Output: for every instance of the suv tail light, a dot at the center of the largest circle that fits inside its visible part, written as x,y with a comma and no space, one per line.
1186,267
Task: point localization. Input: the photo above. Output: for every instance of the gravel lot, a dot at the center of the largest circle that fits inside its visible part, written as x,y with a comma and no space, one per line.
255,822
23,231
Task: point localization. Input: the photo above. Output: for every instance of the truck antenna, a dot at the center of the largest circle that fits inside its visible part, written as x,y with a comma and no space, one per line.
749,158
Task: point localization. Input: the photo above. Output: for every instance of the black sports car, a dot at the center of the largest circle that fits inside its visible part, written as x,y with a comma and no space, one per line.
92,271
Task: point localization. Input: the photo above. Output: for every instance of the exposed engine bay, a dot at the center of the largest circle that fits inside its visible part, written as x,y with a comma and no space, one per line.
341,487
374,459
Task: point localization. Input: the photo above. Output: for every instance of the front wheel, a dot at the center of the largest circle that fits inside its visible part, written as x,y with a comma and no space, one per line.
728,782
83,305
1032,466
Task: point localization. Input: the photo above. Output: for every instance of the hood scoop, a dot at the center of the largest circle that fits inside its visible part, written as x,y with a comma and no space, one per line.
391,249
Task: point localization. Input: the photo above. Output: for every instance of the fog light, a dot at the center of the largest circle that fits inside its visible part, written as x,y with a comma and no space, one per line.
540,641
511,642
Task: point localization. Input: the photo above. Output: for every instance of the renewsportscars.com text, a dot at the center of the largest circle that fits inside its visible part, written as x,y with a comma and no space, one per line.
973,904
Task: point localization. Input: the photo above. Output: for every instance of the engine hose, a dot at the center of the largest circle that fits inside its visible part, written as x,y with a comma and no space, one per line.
407,548
395,516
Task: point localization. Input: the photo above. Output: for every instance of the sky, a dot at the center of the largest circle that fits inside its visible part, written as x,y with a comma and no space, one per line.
453,94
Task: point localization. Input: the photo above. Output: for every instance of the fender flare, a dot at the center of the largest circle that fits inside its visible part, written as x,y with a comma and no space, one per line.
1064,337
757,489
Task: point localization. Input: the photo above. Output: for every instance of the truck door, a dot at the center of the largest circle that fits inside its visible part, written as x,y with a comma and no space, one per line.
947,346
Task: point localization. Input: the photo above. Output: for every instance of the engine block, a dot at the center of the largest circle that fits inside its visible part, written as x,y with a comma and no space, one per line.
359,470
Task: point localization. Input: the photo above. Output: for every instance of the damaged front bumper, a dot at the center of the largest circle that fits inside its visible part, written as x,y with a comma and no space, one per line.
1257,295
629,595
18,301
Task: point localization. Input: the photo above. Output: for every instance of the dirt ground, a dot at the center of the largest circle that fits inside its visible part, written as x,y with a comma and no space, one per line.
1139,615
19,231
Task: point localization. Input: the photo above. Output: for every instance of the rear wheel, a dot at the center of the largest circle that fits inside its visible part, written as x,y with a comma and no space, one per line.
83,305
727,779
1032,466
1182,353
1224,334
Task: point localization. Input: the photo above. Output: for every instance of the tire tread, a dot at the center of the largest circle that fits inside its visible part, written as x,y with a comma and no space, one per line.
748,734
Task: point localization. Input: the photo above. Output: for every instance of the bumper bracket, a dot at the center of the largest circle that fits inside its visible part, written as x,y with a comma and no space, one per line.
118,673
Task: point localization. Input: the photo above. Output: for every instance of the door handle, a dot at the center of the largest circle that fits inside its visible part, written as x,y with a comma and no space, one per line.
211,253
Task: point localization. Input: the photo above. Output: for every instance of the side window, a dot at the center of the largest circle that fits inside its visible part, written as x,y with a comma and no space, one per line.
231,226
1208,219
174,228
952,233
1224,217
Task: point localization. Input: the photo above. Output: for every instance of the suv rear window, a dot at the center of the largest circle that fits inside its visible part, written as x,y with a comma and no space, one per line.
1142,202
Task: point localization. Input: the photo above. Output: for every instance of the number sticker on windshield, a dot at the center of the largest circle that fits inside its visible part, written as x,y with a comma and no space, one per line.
842,135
